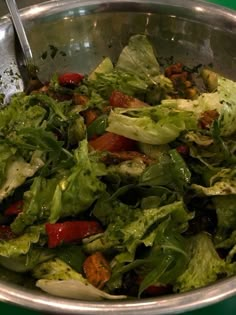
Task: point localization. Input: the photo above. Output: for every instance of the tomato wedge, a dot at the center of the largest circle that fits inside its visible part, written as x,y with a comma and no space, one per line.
112,142
70,79
14,209
70,231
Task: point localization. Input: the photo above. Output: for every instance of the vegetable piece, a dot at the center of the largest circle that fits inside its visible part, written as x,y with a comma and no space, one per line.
226,219
111,142
72,255
220,102
97,127
105,66
16,173
205,266
75,289
58,278
153,125
56,269
37,202
26,262
70,79
70,231
222,183
97,270
119,99
14,209
6,232
139,59
90,116
20,245
127,228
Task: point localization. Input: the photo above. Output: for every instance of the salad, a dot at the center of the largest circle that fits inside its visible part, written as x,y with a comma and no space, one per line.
121,183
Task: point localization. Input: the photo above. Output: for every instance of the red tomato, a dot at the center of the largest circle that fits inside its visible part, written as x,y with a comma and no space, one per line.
70,78
112,142
119,99
70,231
14,209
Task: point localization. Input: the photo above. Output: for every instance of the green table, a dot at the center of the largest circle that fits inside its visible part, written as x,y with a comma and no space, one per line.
226,307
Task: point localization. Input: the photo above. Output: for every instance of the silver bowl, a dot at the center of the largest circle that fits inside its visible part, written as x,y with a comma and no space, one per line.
74,35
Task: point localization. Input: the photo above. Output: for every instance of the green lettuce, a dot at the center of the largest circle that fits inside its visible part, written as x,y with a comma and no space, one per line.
222,183
77,191
6,152
20,245
205,266
153,125
139,59
226,219
26,262
58,278
17,170
12,120
128,227
222,99
68,193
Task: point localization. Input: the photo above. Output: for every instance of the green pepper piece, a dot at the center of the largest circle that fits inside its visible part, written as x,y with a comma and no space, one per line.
98,126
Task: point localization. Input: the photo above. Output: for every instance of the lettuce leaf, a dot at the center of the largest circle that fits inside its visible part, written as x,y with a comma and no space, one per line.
128,228
226,220
222,183
66,194
138,58
205,266
21,244
28,261
37,203
17,170
77,191
12,120
153,125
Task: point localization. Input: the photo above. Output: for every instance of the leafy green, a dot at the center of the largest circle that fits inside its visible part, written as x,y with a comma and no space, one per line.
6,152
21,245
222,100
75,289
106,83
56,269
17,171
128,229
80,188
28,261
37,203
65,195
139,59
73,255
222,183
226,219
153,125
205,266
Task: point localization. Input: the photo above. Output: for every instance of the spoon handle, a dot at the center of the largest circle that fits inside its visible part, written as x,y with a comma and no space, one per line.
19,28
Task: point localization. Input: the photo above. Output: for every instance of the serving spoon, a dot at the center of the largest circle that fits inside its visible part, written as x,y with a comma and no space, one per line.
28,69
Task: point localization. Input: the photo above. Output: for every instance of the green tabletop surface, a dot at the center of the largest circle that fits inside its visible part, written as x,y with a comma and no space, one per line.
225,307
